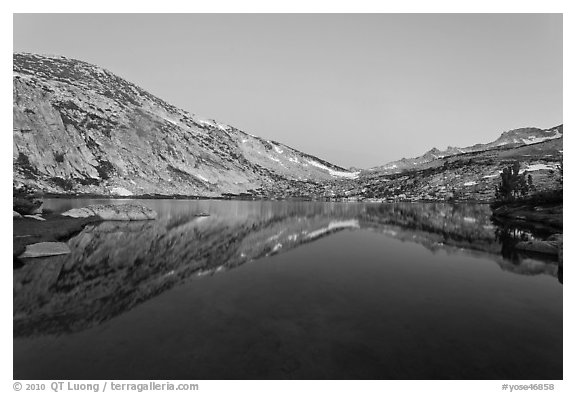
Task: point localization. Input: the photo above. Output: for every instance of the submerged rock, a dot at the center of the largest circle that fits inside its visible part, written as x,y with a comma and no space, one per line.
45,249
114,212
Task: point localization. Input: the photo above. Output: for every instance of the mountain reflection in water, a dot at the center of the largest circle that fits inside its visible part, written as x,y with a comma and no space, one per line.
115,266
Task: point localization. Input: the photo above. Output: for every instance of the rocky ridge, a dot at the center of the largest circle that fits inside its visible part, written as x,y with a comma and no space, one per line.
508,139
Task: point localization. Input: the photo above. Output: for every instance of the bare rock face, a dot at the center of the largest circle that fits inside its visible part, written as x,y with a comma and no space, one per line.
81,129
126,212
45,249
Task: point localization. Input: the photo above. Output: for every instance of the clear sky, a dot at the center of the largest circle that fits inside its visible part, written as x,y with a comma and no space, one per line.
354,89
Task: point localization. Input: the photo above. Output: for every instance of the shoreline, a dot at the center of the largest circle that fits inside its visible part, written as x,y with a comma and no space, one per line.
255,198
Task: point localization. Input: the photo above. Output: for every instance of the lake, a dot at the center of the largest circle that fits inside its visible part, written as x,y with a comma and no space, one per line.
291,290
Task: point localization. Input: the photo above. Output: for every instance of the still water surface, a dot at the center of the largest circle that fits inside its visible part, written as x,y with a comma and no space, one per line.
283,290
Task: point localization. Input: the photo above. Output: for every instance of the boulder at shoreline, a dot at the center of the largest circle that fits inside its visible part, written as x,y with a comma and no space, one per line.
126,212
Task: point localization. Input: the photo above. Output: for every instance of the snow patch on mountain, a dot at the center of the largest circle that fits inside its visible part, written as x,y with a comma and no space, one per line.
202,178
540,167
349,175
533,139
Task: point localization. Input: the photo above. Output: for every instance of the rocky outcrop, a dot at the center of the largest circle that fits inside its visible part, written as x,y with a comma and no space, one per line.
45,249
127,212
24,201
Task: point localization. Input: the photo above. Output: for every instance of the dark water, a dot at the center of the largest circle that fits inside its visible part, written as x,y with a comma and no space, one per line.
284,290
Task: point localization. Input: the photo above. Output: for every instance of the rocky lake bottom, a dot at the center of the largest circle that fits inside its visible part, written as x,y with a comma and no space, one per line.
291,290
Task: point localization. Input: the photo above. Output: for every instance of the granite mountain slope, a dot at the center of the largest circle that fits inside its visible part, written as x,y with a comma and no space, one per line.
81,129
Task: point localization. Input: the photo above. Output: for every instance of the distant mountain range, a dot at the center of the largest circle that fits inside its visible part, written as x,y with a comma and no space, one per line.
508,139
79,129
